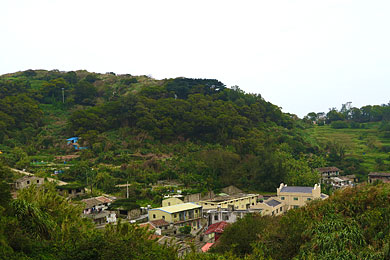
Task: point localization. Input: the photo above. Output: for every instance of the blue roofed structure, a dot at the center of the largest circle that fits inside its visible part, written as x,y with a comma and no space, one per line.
272,203
72,140
298,189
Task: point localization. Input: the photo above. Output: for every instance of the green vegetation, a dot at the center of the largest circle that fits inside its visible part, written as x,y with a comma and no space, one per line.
196,132
193,135
351,224
125,204
355,151
40,224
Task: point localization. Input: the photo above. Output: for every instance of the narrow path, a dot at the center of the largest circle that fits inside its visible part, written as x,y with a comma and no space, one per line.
49,179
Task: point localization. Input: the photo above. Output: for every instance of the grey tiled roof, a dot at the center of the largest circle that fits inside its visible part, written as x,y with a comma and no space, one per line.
297,189
272,203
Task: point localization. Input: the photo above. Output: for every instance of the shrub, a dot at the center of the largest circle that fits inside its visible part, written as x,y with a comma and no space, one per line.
339,124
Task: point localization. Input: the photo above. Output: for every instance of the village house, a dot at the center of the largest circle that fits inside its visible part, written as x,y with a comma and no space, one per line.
379,176
340,182
71,190
182,247
162,227
96,209
27,181
186,214
214,231
271,207
126,208
331,176
297,196
229,215
328,172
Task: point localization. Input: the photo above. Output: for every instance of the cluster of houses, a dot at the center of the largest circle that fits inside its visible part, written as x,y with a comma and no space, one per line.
206,219
201,217
331,176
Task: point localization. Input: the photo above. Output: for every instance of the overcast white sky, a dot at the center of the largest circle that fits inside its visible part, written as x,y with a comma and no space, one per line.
303,55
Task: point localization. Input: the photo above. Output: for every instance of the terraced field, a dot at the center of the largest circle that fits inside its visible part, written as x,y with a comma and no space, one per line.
365,143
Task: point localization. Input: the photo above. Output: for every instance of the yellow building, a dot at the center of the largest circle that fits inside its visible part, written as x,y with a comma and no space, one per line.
296,196
237,202
178,215
270,207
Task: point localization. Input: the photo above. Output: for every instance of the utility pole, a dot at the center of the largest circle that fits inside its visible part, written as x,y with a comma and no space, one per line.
92,183
127,190
86,175
63,96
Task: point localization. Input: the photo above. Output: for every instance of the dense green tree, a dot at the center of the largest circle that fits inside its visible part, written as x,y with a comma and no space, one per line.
84,93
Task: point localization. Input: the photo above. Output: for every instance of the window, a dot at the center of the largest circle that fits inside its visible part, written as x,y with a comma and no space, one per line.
295,198
216,217
196,211
28,182
37,181
163,217
295,207
154,215
169,204
277,211
273,213
282,198
308,198
281,209
253,203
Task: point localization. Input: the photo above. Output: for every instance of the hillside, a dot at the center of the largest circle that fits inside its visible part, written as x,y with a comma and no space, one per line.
136,129
192,135
355,150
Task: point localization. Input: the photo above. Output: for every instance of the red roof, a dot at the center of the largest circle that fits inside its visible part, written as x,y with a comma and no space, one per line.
147,225
206,247
218,227
159,223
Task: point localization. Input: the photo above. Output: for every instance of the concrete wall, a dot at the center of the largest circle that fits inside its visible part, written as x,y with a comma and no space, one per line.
198,197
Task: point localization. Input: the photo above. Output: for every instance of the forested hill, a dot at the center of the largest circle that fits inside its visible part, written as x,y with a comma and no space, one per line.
208,135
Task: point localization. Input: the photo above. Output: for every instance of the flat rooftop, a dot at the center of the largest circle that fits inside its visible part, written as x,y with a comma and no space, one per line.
178,207
297,189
